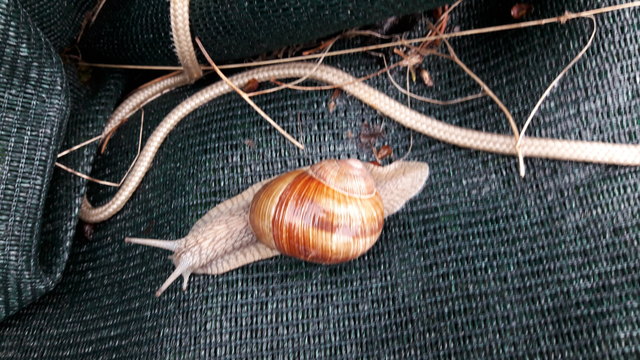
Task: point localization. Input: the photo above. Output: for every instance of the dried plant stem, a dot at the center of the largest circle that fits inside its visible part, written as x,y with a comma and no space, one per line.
79,146
354,33
440,25
408,83
86,177
297,81
485,89
558,19
98,181
139,149
549,89
247,98
89,21
430,100
97,11
337,86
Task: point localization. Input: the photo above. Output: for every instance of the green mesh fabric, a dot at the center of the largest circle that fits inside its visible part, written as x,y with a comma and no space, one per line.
39,98
59,20
33,112
481,264
228,30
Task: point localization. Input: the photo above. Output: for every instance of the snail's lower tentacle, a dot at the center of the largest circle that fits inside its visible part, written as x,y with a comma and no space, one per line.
180,270
569,150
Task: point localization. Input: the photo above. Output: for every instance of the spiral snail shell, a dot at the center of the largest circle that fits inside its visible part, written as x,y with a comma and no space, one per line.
328,213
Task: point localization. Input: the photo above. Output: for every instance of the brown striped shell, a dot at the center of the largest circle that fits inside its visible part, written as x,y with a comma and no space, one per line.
329,213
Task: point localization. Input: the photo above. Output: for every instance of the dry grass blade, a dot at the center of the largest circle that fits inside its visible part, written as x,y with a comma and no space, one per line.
139,149
247,98
557,19
354,33
79,146
88,21
86,177
430,100
98,181
550,88
485,89
297,81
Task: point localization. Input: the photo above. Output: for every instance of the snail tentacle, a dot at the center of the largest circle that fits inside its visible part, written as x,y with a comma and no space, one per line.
181,270
171,245
398,182
220,241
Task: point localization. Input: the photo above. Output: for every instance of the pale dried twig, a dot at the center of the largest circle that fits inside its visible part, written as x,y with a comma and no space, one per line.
86,177
89,21
558,19
92,179
549,89
79,146
431,100
139,148
297,81
485,89
247,98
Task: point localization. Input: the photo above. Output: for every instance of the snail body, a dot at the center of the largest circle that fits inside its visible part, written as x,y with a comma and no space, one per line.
328,213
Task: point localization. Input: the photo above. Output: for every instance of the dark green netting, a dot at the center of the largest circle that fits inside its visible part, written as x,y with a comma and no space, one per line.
59,20
481,264
33,112
229,30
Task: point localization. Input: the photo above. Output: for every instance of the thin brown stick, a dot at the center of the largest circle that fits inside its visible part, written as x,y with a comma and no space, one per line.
88,22
331,87
79,146
533,23
434,101
323,48
440,24
97,11
550,88
297,81
408,83
448,11
86,177
354,33
247,98
485,89
98,181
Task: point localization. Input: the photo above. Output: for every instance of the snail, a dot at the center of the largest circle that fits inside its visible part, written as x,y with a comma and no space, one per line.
328,213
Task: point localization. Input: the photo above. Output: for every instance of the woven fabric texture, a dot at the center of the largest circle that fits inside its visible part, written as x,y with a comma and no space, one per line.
33,112
481,264
59,20
230,30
